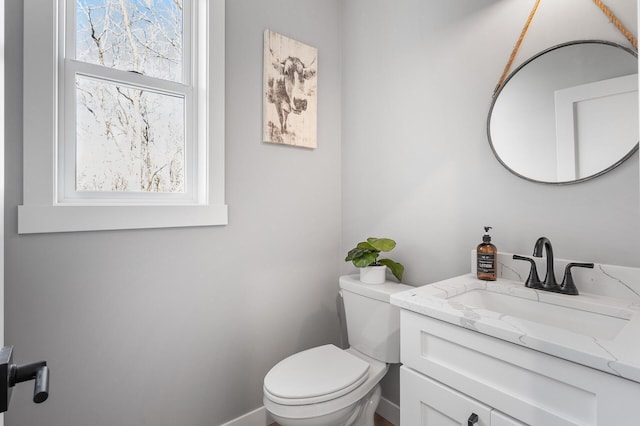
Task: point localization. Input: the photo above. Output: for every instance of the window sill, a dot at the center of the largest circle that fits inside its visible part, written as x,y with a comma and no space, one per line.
34,219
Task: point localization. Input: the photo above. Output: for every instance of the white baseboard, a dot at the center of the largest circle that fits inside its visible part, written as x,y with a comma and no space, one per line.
260,416
257,417
389,411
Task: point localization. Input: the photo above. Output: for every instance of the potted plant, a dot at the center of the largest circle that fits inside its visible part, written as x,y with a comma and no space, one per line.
373,270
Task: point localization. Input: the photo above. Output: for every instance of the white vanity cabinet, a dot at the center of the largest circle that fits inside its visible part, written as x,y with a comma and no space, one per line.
451,372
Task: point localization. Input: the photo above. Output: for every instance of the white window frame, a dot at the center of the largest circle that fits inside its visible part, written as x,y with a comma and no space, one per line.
46,208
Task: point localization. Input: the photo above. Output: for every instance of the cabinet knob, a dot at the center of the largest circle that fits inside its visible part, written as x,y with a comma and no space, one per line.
473,419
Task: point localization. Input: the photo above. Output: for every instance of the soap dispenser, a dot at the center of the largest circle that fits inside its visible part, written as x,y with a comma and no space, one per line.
487,255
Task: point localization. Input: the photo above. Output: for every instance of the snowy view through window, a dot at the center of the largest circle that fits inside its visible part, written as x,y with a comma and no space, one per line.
130,138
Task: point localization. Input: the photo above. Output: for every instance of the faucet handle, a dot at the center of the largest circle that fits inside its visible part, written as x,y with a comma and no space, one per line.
533,280
568,286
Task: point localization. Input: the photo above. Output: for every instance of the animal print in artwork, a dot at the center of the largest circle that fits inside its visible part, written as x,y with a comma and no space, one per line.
289,91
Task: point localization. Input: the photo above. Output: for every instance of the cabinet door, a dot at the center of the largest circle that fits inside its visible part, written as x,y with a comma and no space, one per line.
426,402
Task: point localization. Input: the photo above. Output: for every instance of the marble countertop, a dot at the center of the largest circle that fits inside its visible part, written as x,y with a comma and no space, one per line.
618,354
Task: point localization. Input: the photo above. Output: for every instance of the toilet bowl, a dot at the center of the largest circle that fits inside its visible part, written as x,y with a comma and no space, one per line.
324,386
329,386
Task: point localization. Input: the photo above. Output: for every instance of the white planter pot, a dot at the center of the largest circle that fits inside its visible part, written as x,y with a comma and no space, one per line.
373,274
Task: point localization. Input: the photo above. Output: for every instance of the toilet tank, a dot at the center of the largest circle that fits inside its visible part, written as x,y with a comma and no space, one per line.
373,323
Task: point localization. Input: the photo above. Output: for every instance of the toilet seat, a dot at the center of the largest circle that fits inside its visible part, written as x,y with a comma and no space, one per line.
300,413
316,375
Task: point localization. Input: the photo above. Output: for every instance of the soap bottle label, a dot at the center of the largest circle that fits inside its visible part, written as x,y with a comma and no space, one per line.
486,262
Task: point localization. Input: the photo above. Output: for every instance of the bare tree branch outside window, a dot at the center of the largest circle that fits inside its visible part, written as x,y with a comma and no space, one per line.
130,138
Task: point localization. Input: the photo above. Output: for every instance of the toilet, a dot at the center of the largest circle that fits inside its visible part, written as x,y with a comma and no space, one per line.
329,386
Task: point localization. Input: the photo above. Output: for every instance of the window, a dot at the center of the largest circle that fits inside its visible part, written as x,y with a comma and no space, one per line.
123,115
128,100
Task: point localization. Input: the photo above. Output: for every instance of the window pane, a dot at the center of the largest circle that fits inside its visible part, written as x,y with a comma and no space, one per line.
144,36
128,139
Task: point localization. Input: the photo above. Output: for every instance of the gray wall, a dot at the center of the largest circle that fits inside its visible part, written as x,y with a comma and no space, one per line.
179,326
416,88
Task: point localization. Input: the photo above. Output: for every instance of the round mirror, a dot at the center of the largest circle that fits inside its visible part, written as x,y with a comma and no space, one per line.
568,114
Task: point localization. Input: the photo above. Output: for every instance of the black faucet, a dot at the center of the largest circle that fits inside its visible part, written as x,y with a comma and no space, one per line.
550,284
550,279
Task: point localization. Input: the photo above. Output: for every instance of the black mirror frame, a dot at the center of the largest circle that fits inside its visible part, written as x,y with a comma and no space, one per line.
513,74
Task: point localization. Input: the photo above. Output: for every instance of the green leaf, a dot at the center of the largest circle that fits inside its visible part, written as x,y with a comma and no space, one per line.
366,259
366,245
396,268
382,244
362,257
355,253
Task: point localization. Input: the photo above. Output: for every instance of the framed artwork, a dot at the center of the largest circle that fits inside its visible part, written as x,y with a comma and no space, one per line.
290,105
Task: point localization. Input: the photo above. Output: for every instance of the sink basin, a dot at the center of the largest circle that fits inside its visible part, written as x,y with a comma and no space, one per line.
585,322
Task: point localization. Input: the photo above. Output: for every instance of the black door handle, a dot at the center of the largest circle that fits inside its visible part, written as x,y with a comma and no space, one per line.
37,371
473,419
11,374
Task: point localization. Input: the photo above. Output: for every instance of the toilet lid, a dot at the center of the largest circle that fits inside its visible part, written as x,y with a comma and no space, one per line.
315,375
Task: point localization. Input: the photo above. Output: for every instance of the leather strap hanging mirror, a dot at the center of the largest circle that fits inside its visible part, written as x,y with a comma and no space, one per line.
603,7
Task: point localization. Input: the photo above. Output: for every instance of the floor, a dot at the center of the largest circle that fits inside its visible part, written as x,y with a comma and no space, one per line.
379,421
